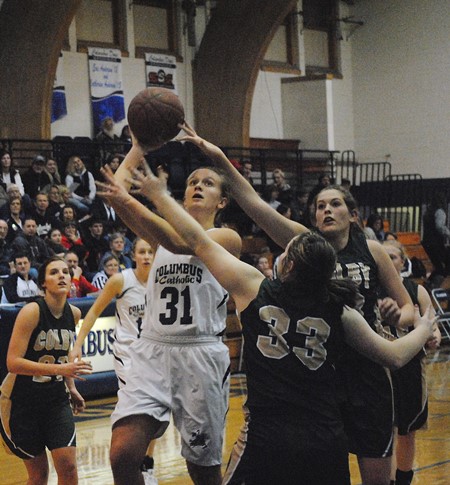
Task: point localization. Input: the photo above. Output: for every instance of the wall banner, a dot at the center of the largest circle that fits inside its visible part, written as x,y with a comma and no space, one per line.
160,71
59,107
105,74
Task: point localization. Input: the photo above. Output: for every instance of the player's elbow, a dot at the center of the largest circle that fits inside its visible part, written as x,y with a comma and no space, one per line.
12,365
395,362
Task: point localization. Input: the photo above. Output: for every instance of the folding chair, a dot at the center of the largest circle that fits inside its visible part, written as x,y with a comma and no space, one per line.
441,298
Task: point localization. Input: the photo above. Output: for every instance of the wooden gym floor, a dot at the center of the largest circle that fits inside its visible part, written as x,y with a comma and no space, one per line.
93,435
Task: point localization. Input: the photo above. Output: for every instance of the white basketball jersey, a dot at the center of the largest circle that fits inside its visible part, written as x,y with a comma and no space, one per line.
184,299
130,308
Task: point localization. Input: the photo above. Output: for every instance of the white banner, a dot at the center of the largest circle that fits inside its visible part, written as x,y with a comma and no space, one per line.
105,73
97,347
160,71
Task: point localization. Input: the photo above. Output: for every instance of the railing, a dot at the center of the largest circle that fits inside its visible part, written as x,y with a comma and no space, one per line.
400,199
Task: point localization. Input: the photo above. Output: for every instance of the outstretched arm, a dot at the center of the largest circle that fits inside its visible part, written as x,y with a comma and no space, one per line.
112,288
397,309
278,227
241,280
394,354
141,220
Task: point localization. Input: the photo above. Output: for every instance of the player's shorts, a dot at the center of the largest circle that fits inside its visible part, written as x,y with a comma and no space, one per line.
121,365
410,396
188,378
367,409
29,427
284,449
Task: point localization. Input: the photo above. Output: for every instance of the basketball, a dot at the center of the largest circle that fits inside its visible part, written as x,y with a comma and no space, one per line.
154,115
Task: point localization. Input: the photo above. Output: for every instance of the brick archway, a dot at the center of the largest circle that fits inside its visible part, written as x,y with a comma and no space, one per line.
227,64
31,37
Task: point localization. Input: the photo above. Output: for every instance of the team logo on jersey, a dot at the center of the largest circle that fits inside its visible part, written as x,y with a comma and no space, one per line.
178,273
357,272
53,339
136,310
198,439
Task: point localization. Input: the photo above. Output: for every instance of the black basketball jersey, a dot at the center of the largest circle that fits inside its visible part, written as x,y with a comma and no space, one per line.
49,343
290,347
356,263
413,289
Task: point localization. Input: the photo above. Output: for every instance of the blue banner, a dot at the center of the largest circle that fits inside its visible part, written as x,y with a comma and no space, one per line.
59,106
105,73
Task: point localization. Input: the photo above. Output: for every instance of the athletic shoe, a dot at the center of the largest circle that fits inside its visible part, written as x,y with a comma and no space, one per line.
149,477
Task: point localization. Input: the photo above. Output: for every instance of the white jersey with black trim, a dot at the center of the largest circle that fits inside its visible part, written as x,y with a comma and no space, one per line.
185,300
130,308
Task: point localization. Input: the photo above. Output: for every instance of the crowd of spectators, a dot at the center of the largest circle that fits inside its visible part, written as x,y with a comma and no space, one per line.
44,212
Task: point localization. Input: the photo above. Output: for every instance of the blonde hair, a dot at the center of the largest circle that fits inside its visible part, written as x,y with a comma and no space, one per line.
399,246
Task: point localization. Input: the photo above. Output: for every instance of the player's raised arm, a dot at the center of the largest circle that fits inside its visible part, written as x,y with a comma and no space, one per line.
141,220
278,227
241,280
394,354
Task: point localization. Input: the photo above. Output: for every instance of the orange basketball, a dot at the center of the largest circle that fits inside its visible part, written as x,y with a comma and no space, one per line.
154,115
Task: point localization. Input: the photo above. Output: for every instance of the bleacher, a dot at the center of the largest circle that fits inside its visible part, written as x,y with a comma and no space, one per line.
400,199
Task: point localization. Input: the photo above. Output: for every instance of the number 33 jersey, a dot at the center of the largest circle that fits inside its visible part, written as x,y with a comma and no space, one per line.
184,299
289,350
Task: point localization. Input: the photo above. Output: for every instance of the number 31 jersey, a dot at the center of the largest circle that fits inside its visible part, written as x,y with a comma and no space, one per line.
184,299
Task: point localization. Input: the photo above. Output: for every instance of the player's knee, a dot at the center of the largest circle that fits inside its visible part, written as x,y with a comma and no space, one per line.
123,457
38,476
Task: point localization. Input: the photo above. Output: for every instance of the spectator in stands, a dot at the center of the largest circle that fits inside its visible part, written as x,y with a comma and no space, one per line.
81,185
264,266
65,194
44,219
82,285
54,200
435,238
53,241
374,227
20,286
285,194
246,171
107,131
270,195
9,175
70,235
15,218
35,178
14,193
51,168
116,249
125,138
28,242
107,139
95,242
3,197
114,161
110,267
299,207
5,250
103,211
68,214
346,184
